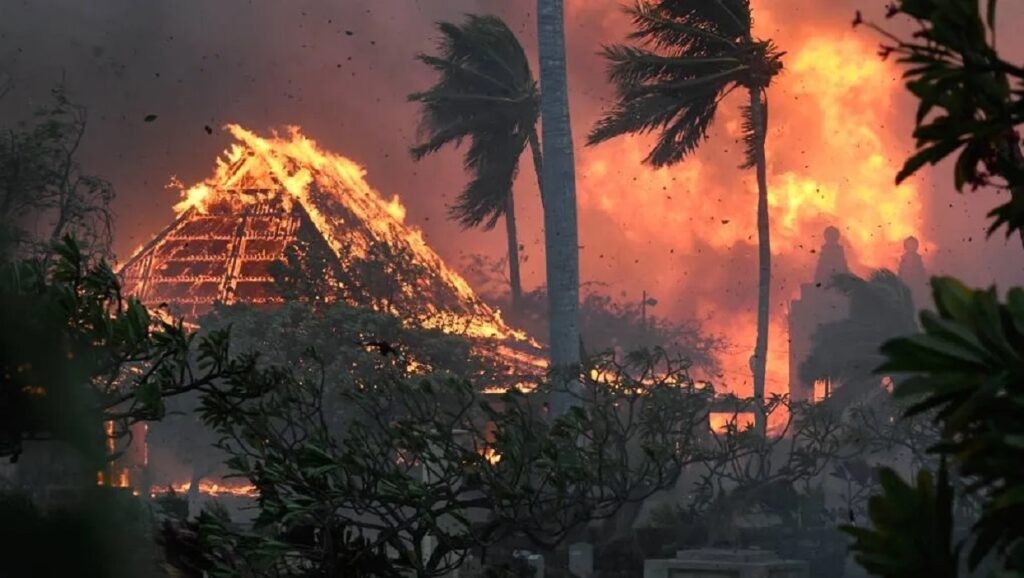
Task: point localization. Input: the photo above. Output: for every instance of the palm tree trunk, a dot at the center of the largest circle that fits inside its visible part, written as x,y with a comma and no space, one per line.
513,254
759,115
558,184
538,163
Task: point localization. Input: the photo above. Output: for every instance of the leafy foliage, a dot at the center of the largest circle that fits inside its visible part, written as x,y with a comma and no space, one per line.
432,461
969,98
967,366
76,353
743,472
358,345
912,528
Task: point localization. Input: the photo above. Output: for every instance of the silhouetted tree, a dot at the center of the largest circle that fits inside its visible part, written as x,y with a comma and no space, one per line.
486,94
558,189
44,195
847,351
693,53
75,353
965,367
970,99
427,469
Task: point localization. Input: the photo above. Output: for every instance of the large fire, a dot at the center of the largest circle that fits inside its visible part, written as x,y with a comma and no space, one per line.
838,131
208,488
355,221
688,233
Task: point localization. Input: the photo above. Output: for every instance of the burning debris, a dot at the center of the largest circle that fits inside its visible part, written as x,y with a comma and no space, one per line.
208,488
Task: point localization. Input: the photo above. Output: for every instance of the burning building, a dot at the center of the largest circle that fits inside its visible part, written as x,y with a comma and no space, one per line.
282,219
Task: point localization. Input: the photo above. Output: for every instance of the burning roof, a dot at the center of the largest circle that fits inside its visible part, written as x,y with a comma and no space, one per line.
282,218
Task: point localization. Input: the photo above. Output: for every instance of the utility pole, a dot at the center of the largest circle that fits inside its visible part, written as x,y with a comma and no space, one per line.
645,301
643,315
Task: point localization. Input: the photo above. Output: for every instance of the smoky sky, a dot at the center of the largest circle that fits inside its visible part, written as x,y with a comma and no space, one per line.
342,70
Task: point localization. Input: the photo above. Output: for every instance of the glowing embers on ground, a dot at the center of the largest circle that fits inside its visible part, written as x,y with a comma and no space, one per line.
209,488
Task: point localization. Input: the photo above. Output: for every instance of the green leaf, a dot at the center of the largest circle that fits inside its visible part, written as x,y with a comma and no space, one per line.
926,156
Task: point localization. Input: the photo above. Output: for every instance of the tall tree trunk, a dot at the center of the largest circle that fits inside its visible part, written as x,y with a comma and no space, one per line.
759,115
513,254
558,184
538,162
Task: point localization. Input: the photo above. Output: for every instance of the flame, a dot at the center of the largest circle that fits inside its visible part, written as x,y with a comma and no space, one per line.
294,166
491,455
209,488
194,197
721,421
689,231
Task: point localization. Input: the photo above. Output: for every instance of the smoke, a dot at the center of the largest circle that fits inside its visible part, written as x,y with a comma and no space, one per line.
342,69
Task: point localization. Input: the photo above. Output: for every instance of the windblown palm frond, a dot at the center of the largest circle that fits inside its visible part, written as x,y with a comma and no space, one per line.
692,54
493,160
883,297
699,25
688,55
485,93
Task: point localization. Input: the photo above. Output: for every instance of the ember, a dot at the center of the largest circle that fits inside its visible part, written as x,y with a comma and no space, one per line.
211,489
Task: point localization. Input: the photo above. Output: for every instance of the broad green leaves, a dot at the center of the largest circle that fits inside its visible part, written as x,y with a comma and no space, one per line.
970,99
968,367
912,529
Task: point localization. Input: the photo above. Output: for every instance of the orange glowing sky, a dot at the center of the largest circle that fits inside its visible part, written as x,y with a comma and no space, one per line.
833,149
341,70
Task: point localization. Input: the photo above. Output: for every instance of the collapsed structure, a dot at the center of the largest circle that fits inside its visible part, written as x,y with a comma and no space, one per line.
282,219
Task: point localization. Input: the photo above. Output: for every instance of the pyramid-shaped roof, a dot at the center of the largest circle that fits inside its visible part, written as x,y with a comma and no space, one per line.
281,217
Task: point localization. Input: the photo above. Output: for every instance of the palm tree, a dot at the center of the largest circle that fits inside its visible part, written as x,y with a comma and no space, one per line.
486,93
558,183
691,54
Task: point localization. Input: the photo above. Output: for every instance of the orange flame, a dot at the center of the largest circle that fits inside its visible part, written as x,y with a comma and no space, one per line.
690,230
296,165
212,489
721,421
